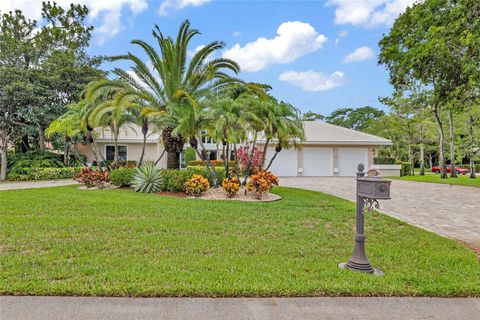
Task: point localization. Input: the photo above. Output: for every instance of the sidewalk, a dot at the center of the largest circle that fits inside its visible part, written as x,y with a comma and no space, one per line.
73,308
35,184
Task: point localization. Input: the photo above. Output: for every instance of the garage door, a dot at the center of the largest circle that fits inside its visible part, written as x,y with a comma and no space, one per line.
317,162
285,164
348,160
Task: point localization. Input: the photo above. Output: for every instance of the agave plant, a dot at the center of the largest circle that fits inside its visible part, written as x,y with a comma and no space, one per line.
147,179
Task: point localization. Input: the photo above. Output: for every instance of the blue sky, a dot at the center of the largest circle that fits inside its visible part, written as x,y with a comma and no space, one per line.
317,55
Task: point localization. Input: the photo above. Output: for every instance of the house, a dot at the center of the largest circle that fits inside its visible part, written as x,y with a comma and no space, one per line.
329,150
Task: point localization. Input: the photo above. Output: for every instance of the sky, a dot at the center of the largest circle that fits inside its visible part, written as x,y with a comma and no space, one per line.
317,55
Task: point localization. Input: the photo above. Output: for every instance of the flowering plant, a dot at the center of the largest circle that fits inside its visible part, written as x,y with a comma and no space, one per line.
261,182
231,186
243,156
196,185
92,178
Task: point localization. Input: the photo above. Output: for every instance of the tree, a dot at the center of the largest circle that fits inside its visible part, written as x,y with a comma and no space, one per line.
312,116
357,119
171,77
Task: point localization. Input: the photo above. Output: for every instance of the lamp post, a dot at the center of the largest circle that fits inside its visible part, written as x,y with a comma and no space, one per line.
370,188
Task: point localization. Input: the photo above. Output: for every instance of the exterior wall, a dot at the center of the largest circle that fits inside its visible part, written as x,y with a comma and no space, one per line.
388,170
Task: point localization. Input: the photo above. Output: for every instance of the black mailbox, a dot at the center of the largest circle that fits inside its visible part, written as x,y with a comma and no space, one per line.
373,188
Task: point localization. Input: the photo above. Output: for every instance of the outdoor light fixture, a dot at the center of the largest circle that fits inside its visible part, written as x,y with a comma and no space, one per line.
370,189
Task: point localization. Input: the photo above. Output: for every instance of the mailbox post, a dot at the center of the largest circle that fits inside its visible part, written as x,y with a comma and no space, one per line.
369,190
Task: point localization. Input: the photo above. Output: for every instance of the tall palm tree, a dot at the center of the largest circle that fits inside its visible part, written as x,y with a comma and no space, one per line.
169,73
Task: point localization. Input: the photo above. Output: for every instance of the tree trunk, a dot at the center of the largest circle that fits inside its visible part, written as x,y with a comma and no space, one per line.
453,172
430,160
3,156
227,159
441,144
265,152
237,173
422,153
24,144
66,155
144,132
115,143
160,158
411,160
41,137
278,149
173,160
472,147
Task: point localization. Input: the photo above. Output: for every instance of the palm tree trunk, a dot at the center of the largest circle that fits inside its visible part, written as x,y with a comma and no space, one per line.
227,159
271,160
161,156
441,144
66,155
237,173
3,155
208,164
265,151
453,172
115,143
41,137
472,147
144,132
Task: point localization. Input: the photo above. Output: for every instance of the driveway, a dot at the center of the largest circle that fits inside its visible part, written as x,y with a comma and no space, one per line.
35,184
450,211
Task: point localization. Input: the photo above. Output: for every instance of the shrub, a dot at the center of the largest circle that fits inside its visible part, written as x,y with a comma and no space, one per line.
92,178
383,160
122,177
261,183
25,174
173,180
406,169
203,172
147,179
215,163
243,156
197,185
231,186
36,159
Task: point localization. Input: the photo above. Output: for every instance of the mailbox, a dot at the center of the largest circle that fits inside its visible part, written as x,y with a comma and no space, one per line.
373,188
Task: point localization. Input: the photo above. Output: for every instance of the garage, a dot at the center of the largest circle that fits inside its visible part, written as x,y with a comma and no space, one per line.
317,161
348,160
285,164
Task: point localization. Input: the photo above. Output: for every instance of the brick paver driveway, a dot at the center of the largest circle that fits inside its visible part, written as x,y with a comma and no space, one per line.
451,211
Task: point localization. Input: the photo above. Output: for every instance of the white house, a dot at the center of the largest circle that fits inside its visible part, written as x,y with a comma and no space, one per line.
329,150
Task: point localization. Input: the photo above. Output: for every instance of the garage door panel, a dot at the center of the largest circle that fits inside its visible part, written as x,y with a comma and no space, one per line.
285,164
348,160
317,162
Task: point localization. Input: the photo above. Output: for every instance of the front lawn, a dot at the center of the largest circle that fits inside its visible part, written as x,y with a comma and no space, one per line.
65,241
462,180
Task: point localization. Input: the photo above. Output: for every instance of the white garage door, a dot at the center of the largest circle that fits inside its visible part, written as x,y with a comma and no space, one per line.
317,162
348,160
285,164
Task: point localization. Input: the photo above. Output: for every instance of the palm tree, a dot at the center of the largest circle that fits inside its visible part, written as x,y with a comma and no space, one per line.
69,125
160,83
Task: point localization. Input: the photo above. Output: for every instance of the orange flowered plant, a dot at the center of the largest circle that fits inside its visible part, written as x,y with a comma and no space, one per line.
231,186
92,178
261,183
197,185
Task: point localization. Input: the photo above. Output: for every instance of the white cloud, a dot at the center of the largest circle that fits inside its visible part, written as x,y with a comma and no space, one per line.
294,39
369,13
178,5
106,12
359,54
237,33
313,81
341,34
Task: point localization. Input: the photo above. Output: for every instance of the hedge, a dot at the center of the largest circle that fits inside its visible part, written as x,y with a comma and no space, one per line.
215,163
383,160
173,180
406,169
24,174
122,177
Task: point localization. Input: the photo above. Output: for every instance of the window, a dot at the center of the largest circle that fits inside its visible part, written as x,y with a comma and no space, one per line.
122,153
205,137
213,155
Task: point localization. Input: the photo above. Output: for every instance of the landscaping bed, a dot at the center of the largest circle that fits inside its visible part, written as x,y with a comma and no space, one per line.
65,241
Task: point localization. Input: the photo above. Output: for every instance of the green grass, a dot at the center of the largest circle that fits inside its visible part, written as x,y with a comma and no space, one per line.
65,241
462,180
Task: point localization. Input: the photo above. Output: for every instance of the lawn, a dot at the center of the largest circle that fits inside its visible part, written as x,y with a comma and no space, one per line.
65,241
462,180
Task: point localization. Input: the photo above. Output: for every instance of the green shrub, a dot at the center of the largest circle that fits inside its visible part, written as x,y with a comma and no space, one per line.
203,172
35,159
24,174
147,179
173,180
190,155
383,160
406,169
215,163
122,177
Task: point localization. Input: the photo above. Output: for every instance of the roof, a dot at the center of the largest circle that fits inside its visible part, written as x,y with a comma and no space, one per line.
317,132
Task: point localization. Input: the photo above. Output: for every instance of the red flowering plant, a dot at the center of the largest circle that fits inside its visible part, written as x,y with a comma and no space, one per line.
92,178
261,183
243,157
